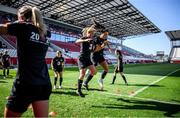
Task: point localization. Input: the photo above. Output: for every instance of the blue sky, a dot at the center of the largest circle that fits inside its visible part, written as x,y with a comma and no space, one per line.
165,14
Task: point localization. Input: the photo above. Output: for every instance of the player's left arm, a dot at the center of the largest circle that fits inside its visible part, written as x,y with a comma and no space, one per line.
12,29
102,46
52,65
3,29
97,48
110,50
63,64
9,60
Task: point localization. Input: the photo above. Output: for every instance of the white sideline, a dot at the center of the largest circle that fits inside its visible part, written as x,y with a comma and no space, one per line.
142,89
146,99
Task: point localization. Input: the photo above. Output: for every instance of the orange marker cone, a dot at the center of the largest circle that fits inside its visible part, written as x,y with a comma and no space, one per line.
132,92
118,91
52,113
7,98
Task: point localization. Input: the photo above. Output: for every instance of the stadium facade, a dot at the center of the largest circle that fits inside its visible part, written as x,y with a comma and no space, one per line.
174,36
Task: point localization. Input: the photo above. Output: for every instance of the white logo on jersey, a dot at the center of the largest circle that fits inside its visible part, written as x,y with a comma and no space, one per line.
58,63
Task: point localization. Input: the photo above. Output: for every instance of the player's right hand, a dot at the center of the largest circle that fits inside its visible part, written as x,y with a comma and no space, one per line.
88,40
106,42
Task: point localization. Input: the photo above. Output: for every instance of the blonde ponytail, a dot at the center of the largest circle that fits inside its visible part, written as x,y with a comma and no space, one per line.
38,21
84,31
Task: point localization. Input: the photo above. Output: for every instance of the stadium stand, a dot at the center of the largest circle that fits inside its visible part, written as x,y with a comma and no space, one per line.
71,51
71,56
66,31
65,45
175,55
11,40
174,36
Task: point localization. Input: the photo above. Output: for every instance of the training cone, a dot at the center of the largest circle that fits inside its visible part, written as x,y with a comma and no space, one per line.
132,92
30,106
118,91
52,113
8,97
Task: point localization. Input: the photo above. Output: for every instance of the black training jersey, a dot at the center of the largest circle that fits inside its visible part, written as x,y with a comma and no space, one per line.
5,58
86,48
99,41
31,51
120,60
58,62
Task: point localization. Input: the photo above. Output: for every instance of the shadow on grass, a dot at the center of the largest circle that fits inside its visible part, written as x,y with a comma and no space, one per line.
169,109
72,93
7,77
3,81
1,77
69,88
178,101
90,89
95,89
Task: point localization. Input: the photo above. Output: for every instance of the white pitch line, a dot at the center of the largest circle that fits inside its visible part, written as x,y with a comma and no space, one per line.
146,99
142,89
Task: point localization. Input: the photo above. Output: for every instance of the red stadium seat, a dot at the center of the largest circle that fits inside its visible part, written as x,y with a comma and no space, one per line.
10,39
70,46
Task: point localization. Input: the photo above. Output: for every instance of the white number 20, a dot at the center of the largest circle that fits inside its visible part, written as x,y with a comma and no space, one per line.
34,36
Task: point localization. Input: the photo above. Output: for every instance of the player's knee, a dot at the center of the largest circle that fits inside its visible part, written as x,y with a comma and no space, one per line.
58,75
81,77
93,72
61,76
82,74
106,69
55,75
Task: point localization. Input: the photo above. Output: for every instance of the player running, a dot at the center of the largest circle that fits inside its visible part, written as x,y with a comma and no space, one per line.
84,58
98,58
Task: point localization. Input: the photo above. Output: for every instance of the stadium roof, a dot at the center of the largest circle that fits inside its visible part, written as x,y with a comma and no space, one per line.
120,17
173,35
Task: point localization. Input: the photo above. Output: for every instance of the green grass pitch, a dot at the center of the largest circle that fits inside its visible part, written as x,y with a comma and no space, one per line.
161,99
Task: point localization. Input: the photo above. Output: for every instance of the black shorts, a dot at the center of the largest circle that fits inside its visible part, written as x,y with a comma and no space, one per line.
1,65
84,62
6,65
60,69
23,95
97,59
120,69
